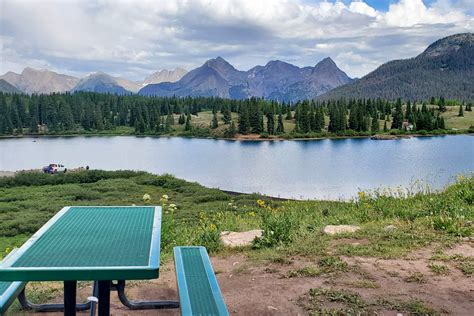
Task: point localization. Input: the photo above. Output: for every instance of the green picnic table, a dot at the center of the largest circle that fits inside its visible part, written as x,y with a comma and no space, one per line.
99,244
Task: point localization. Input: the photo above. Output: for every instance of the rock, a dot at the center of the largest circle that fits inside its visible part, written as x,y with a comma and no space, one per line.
338,229
240,239
390,228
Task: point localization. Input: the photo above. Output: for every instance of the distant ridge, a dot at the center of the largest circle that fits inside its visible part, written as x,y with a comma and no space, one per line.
100,82
40,81
445,68
277,80
7,87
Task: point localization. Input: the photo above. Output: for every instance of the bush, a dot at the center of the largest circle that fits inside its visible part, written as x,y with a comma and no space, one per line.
277,229
85,176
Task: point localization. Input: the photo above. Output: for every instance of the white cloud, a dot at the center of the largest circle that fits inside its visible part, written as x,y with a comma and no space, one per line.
134,38
412,12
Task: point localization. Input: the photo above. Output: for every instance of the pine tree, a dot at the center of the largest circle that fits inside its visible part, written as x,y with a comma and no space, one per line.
231,130
398,115
270,123
385,129
375,125
181,119
442,105
280,127
461,111
187,126
227,116
288,114
215,122
169,123
244,121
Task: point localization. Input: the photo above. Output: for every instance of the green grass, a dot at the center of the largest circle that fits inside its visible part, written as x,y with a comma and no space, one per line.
322,301
439,269
291,228
305,272
195,215
452,119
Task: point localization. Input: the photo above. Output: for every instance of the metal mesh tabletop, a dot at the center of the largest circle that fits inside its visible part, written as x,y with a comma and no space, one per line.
90,243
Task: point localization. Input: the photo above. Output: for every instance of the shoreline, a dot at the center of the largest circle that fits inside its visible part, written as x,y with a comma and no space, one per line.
248,137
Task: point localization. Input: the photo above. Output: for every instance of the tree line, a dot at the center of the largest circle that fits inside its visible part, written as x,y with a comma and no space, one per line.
87,111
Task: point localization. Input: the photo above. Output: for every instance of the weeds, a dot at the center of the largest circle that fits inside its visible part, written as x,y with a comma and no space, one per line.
305,272
416,277
439,269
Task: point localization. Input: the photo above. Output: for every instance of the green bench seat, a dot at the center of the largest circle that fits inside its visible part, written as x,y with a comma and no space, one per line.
8,293
199,293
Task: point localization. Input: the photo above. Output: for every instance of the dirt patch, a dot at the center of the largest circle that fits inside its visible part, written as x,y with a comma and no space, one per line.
385,286
349,241
464,249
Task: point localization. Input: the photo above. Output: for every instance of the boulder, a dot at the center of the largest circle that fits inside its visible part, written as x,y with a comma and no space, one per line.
339,229
240,239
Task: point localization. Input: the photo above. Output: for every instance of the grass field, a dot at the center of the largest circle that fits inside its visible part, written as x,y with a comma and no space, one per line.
452,121
28,200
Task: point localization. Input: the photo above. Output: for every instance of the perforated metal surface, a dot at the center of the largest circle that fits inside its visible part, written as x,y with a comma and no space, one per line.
90,243
92,237
3,287
200,292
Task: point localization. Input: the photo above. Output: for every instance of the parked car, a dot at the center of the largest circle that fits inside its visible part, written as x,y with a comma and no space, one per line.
54,168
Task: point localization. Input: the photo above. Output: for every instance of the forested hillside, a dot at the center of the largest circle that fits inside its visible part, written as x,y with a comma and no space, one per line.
445,68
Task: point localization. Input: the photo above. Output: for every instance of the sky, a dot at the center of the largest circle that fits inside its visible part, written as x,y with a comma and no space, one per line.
132,39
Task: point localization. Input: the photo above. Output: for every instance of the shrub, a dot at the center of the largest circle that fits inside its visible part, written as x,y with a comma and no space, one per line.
277,229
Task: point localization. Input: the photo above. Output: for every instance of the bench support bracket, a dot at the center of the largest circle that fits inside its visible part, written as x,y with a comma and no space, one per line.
135,305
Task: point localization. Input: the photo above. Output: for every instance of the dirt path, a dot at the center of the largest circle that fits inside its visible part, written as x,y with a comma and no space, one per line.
252,288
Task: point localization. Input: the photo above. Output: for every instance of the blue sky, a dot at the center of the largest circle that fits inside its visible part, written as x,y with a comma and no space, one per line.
382,5
135,38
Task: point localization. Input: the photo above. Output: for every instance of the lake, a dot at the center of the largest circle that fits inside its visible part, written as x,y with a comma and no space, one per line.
321,169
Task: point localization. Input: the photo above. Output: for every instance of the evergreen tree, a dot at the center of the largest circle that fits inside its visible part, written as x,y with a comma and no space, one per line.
181,119
288,113
280,127
231,131
442,105
187,126
215,122
271,123
461,111
227,116
385,128
244,121
398,116
375,125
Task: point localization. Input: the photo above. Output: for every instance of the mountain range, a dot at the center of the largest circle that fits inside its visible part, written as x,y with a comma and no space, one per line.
45,81
445,68
277,80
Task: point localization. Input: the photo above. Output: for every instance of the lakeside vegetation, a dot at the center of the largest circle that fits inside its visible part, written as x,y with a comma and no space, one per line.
106,114
293,246
194,214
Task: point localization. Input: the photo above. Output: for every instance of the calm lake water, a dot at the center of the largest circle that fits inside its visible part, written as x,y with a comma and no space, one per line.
322,169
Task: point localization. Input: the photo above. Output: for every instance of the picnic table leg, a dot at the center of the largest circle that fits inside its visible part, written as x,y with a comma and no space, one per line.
136,305
104,298
70,288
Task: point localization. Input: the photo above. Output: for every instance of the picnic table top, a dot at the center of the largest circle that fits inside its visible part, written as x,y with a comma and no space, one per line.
90,243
